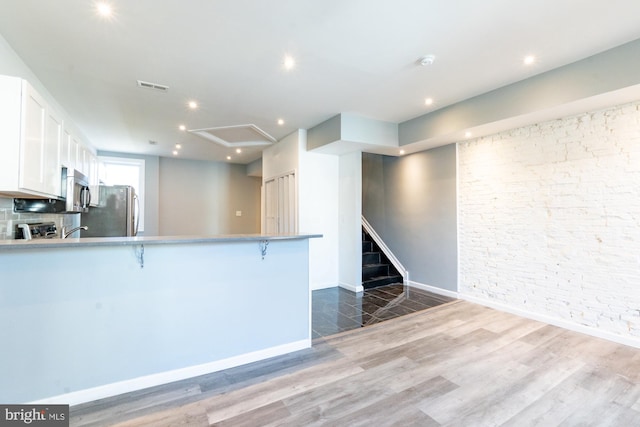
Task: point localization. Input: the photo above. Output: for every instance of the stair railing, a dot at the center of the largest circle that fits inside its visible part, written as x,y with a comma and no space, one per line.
385,249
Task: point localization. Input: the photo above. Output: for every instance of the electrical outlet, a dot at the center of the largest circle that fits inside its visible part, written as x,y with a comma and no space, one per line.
238,213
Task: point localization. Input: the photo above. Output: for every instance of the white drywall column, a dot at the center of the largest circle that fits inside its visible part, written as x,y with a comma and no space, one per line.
318,203
350,223
317,183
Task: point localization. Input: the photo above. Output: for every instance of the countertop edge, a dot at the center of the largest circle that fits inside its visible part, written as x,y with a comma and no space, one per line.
147,240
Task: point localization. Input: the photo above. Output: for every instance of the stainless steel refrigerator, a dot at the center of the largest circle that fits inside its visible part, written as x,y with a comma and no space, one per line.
117,214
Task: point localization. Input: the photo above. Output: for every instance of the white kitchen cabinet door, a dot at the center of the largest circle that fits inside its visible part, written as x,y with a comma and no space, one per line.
72,154
40,145
83,160
67,160
10,131
75,153
51,154
32,145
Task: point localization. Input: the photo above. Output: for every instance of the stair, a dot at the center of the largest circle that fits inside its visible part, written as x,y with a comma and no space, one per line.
377,270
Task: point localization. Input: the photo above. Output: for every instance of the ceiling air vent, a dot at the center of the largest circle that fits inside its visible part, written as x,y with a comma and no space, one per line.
154,86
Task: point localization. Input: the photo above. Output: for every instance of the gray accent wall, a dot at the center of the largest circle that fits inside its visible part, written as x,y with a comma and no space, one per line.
411,203
201,197
575,87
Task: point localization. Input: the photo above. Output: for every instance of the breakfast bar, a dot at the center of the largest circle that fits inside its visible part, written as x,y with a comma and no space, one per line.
95,317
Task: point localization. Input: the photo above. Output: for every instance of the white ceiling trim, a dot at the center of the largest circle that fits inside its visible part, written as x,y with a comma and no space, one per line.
236,136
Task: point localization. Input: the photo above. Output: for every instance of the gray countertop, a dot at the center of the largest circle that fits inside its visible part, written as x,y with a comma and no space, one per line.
146,240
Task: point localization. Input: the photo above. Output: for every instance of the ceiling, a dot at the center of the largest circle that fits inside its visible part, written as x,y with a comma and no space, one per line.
351,56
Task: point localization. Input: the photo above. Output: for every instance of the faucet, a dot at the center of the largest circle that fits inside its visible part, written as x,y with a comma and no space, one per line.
66,233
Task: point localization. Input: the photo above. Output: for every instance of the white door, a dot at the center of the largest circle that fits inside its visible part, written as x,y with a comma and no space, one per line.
280,203
270,206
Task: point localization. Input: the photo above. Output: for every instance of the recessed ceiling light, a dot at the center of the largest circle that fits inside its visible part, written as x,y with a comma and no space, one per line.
289,62
182,127
529,60
178,146
467,134
428,101
175,152
228,157
238,150
104,9
193,105
280,122
401,152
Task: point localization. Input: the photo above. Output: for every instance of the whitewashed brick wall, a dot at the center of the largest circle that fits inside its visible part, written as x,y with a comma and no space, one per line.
549,219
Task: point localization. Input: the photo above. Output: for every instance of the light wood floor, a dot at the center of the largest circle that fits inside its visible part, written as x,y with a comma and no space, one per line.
458,364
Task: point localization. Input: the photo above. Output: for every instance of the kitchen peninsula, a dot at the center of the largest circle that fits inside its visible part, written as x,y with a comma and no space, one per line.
94,317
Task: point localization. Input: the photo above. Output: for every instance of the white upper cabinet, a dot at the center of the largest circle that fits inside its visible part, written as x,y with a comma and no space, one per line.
67,149
75,155
30,137
51,160
35,143
83,160
32,143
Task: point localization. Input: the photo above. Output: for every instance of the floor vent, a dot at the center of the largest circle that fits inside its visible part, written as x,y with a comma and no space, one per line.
154,86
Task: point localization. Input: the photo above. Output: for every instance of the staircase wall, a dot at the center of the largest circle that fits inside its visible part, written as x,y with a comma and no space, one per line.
411,203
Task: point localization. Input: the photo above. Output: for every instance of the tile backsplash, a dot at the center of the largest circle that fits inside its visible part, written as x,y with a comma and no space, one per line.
9,219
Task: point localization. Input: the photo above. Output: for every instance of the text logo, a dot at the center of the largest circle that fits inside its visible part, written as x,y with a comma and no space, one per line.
34,415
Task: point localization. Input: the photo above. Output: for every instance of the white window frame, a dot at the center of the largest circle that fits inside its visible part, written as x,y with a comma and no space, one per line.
126,161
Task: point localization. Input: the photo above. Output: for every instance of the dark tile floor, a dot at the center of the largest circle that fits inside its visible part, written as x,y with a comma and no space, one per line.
336,310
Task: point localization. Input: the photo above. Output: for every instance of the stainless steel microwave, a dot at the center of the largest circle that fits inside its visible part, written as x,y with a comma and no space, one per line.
75,191
75,197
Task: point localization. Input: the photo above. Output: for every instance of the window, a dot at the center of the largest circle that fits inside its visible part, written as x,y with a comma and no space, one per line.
124,171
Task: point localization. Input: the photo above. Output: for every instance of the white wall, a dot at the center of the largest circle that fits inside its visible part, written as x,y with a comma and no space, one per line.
549,220
317,184
350,221
283,157
318,213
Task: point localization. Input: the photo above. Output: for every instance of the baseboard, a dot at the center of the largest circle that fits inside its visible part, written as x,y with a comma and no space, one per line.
433,289
556,321
352,288
318,286
114,389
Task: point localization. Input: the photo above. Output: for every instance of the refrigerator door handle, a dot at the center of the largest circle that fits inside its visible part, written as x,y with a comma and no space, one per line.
136,214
